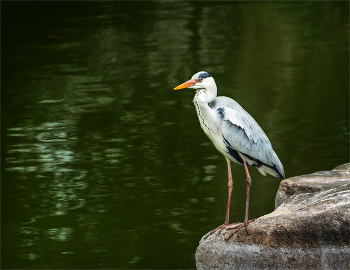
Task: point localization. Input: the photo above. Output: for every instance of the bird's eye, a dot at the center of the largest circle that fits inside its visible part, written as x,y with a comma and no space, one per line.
200,79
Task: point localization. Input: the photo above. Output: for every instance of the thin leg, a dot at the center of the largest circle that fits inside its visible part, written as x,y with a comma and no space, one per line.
235,226
248,184
230,185
246,221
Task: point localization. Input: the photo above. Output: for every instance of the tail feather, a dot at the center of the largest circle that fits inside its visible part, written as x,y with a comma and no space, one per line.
272,171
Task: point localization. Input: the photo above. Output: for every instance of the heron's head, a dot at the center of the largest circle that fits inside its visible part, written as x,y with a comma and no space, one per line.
200,80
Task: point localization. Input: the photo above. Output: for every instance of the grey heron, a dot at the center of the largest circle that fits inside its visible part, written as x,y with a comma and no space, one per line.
236,135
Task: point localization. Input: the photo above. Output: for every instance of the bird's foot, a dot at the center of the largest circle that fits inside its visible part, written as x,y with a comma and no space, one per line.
238,226
220,228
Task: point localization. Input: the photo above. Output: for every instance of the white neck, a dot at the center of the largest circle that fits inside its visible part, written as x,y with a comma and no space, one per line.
207,94
201,100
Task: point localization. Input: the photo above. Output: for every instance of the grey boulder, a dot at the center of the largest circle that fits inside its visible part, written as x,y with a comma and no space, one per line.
309,229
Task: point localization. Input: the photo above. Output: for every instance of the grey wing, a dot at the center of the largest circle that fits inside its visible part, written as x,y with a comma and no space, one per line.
242,133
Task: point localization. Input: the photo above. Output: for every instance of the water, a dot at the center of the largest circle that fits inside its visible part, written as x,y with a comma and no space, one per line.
104,166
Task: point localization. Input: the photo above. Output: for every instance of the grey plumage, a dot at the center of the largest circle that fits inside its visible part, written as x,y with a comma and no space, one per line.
243,134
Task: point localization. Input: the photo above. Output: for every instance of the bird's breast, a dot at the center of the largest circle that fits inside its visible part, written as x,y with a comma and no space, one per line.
202,117
210,123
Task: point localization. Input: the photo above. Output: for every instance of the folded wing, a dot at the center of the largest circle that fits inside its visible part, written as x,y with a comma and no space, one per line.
243,134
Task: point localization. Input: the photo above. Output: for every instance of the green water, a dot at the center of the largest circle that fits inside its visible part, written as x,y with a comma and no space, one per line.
104,166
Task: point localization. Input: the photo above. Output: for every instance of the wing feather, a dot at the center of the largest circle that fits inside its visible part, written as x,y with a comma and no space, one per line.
243,134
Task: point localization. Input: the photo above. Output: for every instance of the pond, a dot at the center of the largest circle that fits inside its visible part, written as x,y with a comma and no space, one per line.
104,166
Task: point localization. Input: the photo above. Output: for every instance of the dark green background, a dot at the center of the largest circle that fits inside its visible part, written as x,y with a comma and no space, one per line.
93,133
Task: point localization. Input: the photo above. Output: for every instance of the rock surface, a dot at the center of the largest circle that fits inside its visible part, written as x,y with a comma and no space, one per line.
308,230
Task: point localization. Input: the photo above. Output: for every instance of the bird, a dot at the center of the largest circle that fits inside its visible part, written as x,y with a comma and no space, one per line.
236,135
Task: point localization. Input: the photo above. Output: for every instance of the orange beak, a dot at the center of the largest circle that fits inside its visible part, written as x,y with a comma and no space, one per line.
186,84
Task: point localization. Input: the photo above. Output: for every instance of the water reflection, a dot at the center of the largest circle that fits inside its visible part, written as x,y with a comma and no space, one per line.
101,160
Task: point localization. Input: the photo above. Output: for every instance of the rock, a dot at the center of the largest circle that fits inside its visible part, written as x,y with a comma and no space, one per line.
312,183
344,167
309,229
